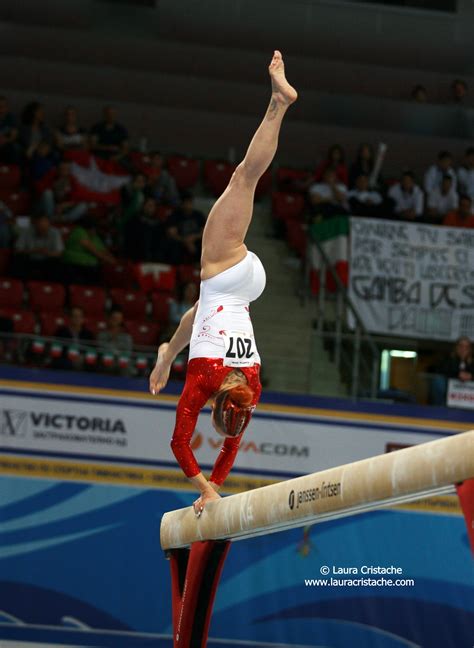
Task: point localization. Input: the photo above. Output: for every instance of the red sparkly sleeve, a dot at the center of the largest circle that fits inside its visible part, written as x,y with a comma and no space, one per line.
190,404
225,459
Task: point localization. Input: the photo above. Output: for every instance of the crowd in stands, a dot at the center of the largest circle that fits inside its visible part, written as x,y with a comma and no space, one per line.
80,210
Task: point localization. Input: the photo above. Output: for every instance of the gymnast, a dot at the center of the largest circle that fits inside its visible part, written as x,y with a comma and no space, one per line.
224,364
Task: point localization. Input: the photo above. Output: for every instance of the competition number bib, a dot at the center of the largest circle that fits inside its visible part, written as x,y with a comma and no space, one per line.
240,350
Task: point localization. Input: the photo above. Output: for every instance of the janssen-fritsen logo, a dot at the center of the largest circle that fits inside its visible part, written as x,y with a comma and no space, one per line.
326,489
264,448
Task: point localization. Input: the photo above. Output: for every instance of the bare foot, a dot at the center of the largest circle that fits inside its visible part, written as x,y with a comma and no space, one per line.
282,91
160,374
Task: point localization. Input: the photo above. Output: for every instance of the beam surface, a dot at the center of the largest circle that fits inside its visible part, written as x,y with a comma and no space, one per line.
404,475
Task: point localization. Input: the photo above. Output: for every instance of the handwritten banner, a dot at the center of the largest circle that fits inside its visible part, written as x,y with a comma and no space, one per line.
413,280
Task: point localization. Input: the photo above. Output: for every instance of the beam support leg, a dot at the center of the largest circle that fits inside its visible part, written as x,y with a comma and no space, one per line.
195,574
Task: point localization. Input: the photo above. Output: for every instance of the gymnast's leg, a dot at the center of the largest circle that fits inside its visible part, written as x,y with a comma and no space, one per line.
227,224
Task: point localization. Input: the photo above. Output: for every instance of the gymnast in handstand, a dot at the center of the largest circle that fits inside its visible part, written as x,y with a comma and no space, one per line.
224,364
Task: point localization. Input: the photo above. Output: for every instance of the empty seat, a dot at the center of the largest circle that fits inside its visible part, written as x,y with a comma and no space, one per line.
117,275
90,298
11,293
18,201
143,333
297,237
188,274
289,179
50,322
161,307
46,296
184,170
24,322
95,324
287,206
10,177
217,175
5,254
133,304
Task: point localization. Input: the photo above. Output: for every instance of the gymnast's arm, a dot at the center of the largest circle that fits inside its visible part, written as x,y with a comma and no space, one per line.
169,350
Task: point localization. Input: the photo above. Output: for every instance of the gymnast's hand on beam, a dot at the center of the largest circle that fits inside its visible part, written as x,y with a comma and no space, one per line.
206,496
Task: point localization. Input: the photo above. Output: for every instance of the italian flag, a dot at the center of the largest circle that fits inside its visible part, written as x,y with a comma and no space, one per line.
95,179
333,236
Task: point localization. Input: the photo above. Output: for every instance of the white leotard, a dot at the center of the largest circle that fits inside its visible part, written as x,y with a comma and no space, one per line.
222,326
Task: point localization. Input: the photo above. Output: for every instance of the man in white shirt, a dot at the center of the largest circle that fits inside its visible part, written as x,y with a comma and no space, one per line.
329,197
442,201
407,197
434,175
362,200
466,174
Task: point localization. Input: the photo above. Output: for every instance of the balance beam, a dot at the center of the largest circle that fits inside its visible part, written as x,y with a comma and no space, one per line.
404,475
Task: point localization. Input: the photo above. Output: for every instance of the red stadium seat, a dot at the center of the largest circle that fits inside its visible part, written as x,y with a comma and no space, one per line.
288,178
11,293
143,333
161,307
50,322
10,177
90,298
163,212
155,276
264,184
19,202
188,274
296,237
133,304
217,175
117,275
23,321
5,255
95,324
287,206
45,296
184,170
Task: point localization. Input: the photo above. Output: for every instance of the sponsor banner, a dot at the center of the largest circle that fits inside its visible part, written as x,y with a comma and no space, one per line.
139,430
412,280
460,394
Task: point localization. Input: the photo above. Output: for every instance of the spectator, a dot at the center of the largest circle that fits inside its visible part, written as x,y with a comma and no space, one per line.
161,185
133,198
363,164
145,234
43,161
38,249
442,200
77,333
434,175
407,198
363,201
459,91
335,161
109,138
459,365
33,130
466,174
70,136
184,231
329,197
419,94
56,201
8,134
115,340
462,217
189,296
6,218
84,254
